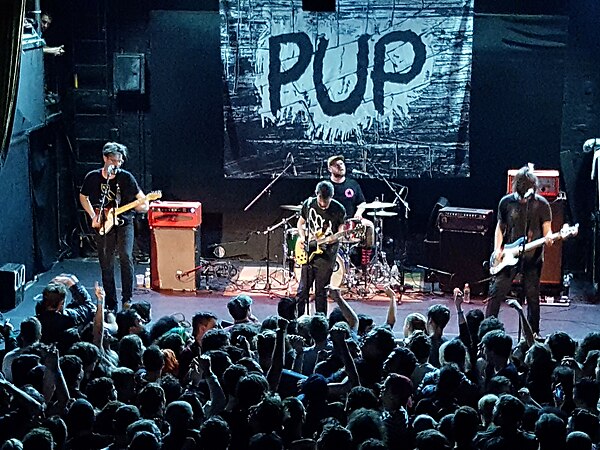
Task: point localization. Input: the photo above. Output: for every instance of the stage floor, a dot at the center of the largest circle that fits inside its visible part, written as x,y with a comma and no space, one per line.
577,319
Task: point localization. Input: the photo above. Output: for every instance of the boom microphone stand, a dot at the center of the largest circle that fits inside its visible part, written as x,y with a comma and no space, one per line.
289,163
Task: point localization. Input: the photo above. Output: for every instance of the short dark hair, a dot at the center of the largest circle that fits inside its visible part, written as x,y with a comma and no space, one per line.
324,189
201,318
239,306
153,359
112,148
499,342
439,314
53,295
31,331
287,308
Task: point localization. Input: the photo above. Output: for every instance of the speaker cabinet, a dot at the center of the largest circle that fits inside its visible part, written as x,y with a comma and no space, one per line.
552,268
174,252
465,255
12,286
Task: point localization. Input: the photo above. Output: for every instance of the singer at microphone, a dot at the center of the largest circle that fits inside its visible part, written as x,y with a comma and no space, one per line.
523,217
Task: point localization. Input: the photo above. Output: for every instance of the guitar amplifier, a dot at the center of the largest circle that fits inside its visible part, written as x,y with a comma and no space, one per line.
175,214
465,219
548,182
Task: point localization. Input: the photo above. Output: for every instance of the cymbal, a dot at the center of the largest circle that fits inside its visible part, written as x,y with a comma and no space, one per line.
382,213
291,207
378,205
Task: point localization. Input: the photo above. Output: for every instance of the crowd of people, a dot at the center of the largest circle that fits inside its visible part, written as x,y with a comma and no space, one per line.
77,376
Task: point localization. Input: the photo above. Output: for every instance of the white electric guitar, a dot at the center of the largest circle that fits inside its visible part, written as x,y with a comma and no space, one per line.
512,252
110,218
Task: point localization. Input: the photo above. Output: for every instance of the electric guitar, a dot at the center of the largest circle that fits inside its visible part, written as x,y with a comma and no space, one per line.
110,218
512,252
305,253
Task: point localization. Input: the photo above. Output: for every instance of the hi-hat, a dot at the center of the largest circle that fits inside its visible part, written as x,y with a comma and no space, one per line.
291,207
378,205
382,214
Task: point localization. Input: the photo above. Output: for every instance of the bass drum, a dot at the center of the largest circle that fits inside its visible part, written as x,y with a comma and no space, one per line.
337,277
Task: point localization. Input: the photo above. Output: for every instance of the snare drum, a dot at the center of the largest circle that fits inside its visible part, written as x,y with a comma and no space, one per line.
339,270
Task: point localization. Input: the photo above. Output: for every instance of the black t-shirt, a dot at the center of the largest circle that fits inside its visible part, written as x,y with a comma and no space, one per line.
517,217
122,189
321,222
349,194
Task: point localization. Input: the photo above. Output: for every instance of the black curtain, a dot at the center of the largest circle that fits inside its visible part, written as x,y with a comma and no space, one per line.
12,13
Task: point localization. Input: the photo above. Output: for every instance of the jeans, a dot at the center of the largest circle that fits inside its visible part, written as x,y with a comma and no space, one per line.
318,271
502,284
119,241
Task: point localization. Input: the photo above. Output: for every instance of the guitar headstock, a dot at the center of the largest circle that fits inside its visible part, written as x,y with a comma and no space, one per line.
154,195
568,230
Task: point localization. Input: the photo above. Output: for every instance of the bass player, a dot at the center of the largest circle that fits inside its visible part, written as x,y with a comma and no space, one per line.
522,213
104,190
320,219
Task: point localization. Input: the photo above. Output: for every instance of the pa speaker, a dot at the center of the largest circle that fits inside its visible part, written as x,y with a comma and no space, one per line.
12,286
175,252
465,255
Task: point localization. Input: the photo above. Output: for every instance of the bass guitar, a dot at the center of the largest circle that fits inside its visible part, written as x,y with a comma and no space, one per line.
305,253
512,252
110,217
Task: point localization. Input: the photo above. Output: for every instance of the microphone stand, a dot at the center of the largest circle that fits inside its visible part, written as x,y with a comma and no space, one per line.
268,231
398,197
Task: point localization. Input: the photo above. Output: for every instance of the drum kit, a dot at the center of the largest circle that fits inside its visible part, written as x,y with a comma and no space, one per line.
358,269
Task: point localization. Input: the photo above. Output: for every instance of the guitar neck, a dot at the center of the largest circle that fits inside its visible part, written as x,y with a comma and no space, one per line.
538,242
128,206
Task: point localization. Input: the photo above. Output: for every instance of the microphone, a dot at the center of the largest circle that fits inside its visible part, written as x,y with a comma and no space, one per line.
359,172
293,165
112,170
529,193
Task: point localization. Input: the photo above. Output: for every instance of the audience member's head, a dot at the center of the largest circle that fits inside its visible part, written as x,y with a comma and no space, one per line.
431,440
414,322
240,307
215,434
578,440
551,431
561,345
438,317
486,405
401,360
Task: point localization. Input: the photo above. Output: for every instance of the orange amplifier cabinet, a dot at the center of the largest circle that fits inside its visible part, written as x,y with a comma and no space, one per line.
175,214
548,180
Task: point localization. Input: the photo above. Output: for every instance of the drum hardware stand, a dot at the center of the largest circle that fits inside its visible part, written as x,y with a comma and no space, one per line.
289,162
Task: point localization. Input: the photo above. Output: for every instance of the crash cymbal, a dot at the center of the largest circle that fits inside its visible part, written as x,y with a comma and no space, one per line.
378,205
291,207
382,213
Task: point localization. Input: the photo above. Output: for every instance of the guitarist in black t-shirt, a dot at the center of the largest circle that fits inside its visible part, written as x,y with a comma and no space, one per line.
103,191
320,219
521,213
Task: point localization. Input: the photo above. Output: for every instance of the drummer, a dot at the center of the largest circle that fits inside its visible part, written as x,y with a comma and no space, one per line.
347,191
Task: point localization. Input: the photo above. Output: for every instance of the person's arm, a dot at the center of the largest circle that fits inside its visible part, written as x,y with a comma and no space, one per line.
301,229
54,381
82,308
10,340
274,372
297,343
392,306
98,334
22,398
218,401
338,337
527,330
143,207
547,231
89,209
347,311
498,241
